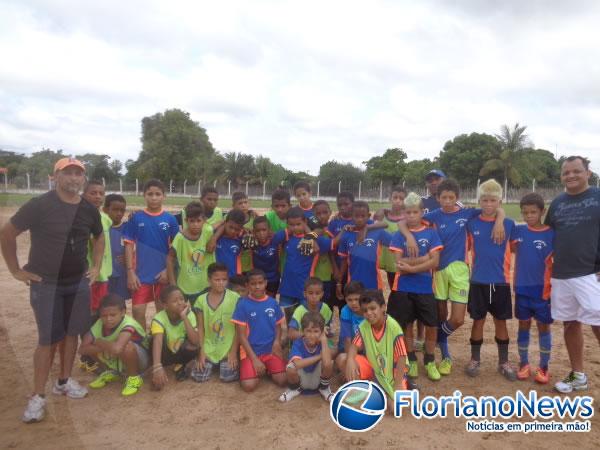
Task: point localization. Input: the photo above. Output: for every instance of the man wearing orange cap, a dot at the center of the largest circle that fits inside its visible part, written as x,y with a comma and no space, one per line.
60,223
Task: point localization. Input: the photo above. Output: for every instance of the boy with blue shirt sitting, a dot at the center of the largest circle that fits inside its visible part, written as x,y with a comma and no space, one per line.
350,318
258,320
490,279
310,364
533,245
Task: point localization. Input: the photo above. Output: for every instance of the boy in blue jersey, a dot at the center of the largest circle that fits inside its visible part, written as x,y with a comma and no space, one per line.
533,246
360,257
114,207
298,266
148,235
303,194
412,294
258,319
451,279
490,280
344,202
229,242
310,365
265,256
350,318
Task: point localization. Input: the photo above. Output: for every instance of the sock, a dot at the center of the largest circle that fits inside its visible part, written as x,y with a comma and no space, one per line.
523,345
323,383
502,350
428,358
476,349
62,381
412,356
545,347
579,375
444,330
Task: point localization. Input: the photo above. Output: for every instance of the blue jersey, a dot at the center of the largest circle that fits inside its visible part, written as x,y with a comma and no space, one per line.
152,235
349,322
297,268
491,262
300,350
363,258
452,229
428,242
337,224
533,262
229,252
266,258
260,317
117,249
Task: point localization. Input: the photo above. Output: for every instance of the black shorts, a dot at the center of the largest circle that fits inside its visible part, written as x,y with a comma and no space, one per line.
273,288
185,354
493,298
60,310
331,300
406,307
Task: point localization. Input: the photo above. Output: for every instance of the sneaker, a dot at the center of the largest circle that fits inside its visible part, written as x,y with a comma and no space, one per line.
419,346
445,367
36,409
413,369
571,383
71,389
541,376
132,385
432,371
524,372
181,373
507,370
104,378
326,393
472,368
289,395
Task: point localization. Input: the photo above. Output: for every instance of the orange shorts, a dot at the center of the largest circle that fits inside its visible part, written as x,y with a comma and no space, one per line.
147,293
364,367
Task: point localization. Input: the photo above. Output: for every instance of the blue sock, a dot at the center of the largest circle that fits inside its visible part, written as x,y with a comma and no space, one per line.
444,330
545,347
523,344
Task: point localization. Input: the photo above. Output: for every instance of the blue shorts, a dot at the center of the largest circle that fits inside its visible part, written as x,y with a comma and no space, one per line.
118,285
527,307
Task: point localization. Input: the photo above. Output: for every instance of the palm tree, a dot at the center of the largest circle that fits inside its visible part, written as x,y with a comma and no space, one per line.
512,141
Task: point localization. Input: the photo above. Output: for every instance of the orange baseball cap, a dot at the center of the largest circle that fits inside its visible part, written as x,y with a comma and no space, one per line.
63,163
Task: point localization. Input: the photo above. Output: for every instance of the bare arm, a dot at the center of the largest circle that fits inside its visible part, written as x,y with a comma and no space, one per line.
133,282
8,242
411,243
498,232
159,376
97,254
301,363
431,263
171,257
192,334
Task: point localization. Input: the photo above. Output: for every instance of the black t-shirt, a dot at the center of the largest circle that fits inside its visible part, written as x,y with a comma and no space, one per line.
59,236
576,223
430,203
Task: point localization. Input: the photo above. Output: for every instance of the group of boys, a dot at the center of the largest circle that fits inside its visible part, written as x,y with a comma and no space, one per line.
255,295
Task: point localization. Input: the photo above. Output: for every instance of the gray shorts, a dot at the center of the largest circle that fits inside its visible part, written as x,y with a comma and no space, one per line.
60,310
226,373
310,380
143,357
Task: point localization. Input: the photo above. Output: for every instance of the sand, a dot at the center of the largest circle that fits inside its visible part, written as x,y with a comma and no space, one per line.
216,415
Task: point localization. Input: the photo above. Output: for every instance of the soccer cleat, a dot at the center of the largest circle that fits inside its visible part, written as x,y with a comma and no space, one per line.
326,393
507,371
472,368
71,389
541,376
36,409
413,369
132,385
104,378
524,372
571,383
445,367
289,395
432,371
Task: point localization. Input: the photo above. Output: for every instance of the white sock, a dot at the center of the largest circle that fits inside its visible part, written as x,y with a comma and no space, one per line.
579,375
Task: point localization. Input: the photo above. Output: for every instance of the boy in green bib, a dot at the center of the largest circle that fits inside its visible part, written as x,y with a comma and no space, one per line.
174,336
381,339
217,334
118,342
209,197
188,258
313,294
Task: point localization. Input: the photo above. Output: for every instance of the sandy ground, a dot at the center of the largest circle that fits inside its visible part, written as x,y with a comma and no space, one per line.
215,415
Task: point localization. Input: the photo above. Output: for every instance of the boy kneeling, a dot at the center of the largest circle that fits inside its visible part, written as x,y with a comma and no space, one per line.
118,342
310,365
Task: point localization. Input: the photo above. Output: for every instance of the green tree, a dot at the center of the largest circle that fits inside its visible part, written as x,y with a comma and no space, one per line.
332,172
238,168
389,167
11,161
512,142
97,166
540,165
174,147
462,158
414,175
40,164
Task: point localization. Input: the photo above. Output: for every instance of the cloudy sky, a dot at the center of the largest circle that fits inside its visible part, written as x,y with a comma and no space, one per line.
300,82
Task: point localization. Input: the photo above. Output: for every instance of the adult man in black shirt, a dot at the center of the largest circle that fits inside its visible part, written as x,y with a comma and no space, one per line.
60,224
575,217
432,180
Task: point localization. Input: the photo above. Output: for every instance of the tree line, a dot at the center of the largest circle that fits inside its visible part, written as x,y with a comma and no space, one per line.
175,147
